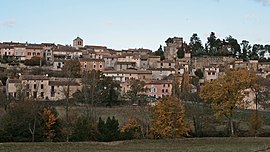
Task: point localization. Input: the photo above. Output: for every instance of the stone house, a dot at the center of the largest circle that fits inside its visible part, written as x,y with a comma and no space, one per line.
125,75
88,65
161,73
159,88
41,87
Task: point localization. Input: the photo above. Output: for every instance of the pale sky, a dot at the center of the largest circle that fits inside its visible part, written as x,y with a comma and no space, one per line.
122,24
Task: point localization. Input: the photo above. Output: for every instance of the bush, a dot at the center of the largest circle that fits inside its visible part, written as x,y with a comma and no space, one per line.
131,129
109,130
35,61
84,130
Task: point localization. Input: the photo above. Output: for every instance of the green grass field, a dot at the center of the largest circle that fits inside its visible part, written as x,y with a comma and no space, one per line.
185,145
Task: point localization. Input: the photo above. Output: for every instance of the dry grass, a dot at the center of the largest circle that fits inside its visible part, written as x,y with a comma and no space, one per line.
192,145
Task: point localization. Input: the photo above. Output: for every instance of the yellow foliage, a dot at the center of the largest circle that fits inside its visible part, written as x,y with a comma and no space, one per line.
227,92
49,122
133,126
168,119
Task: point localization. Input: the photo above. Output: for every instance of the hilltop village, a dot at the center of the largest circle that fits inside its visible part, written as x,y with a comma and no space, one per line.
38,68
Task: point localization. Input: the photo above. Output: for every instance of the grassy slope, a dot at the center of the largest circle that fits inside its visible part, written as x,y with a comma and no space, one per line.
194,145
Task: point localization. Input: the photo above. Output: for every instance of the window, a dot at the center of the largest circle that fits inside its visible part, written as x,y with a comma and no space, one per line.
41,86
42,94
38,53
52,94
169,64
161,64
28,53
100,66
162,90
94,66
35,86
166,90
209,73
34,53
35,94
163,85
168,85
52,88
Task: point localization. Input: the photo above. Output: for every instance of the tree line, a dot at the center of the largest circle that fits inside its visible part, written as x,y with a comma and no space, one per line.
214,46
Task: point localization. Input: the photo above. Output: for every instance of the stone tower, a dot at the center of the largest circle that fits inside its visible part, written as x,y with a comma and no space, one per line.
78,42
173,44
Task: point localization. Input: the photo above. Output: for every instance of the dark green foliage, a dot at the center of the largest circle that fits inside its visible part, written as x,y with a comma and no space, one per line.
35,61
213,45
10,60
181,53
84,129
235,47
160,53
255,51
245,50
16,123
23,118
195,45
109,130
3,77
199,73
109,90
169,40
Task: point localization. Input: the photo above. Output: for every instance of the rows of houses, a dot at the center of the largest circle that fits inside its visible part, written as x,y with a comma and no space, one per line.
122,65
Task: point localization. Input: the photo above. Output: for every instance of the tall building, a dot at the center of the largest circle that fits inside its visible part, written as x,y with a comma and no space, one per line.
78,43
173,44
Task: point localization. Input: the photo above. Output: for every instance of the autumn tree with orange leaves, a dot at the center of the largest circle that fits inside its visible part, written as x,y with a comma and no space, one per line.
227,93
168,119
49,119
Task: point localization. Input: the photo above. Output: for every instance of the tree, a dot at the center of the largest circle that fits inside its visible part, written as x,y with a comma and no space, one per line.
35,61
109,130
176,90
71,70
109,90
84,129
195,45
199,73
235,47
90,90
255,122
22,122
168,119
49,120
245,50
227,93
255,52
213,45
185,85
196,110
137,89
160,53
131,129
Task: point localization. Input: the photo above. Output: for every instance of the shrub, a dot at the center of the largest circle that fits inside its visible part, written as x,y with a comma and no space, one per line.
131,129
109,130
84,129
